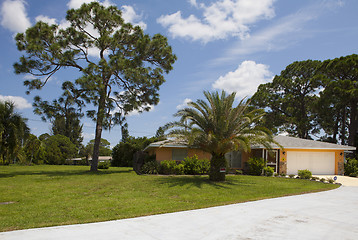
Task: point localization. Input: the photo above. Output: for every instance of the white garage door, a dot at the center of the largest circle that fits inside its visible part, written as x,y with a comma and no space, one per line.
316,162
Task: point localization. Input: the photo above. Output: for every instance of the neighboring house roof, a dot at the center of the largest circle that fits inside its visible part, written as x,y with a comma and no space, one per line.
170,143
285,141
298,143
102,158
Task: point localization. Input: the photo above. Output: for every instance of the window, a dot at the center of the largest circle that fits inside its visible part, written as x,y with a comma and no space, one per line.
234,159
179,153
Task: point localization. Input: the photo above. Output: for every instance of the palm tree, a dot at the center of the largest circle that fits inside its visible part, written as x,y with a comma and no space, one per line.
13,131
217,127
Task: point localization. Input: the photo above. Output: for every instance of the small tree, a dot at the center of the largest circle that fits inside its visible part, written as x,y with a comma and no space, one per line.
59,148
217,127
13,132
124,76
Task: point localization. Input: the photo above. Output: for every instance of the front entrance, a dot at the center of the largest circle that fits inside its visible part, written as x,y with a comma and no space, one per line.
270,156
272,159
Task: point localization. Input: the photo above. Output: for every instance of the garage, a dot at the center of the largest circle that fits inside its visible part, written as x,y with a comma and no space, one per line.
316,162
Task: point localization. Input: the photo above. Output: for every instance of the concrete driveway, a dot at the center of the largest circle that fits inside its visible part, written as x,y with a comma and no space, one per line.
324,215
344,180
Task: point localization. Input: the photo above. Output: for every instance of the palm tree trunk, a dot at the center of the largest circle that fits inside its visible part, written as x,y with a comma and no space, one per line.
217,162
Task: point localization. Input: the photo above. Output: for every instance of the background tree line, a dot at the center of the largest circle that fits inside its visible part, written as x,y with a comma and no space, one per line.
313,99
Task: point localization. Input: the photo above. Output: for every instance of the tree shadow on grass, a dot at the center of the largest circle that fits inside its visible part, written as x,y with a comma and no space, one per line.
195,181
63,173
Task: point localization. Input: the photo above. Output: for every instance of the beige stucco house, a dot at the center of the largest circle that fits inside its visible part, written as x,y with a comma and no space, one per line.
295,154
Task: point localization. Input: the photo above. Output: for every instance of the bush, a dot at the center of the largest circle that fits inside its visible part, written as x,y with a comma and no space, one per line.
314,178
239,172
103,165
194,166
323,180
283,174
151,167
268,171
256,166
330,180
276,174
351,167
291,175
304,174
167,167
179,169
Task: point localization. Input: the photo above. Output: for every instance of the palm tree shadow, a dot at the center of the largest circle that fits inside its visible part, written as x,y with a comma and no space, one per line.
62,173
193,181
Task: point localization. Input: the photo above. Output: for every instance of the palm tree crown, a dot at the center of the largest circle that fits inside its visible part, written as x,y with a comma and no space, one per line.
217,127
13,131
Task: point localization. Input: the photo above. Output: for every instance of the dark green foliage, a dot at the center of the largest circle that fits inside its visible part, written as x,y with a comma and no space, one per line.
59,148
13,132
291,175
268,171
256,166
290,99
338,114
351,167
283,174
103,165
125,75
34,150
151,167
167,167
64,113
217,126
195,166
104,148
122,153
304,174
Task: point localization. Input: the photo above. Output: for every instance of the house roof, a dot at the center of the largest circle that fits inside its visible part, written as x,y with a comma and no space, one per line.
285,141
170,143
298,143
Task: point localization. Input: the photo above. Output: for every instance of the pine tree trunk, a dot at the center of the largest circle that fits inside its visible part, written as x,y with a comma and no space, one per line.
217,162
353,124
99,124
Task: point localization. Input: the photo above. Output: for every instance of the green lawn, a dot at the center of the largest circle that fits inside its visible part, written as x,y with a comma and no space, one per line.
57,195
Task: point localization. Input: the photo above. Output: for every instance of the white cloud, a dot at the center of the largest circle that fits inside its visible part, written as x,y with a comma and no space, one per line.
46,19
184,104
77,3
221,19
137,112
245,79
129,15
14,16
20,102
283,33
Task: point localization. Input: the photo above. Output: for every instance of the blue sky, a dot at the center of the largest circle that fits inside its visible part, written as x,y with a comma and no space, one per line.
233,45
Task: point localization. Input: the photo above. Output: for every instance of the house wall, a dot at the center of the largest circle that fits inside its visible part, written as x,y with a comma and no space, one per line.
165,153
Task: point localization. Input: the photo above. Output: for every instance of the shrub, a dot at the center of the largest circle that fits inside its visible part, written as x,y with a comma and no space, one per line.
167,167
314,178
305,174
103,165
283,174
268,171
194,166
276,174
330,180
239,172
151,167
179,169
323,180
355,174
291,175
351,167
256,166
